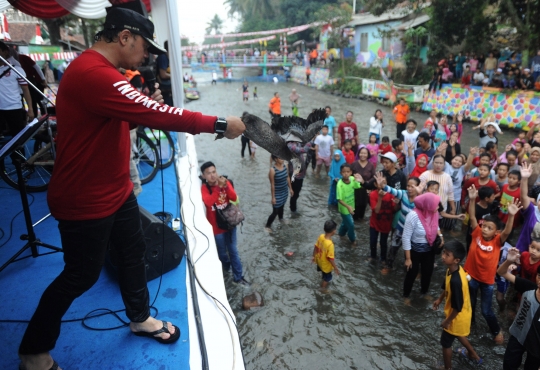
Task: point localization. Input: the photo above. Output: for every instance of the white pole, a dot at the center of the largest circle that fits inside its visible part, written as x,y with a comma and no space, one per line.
353,7
170,30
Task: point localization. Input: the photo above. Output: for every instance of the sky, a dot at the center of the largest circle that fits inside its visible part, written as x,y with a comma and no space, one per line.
199,13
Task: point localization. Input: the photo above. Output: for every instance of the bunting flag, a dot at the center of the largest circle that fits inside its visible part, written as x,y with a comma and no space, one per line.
4,28
223,45
289,31
38,40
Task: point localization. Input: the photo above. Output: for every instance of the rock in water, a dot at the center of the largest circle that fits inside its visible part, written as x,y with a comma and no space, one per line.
252,300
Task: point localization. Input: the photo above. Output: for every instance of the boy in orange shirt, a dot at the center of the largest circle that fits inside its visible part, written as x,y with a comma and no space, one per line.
274,107
483,259
401,113
323,253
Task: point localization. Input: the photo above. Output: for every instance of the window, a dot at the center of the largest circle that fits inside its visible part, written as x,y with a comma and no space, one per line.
386,43
364,42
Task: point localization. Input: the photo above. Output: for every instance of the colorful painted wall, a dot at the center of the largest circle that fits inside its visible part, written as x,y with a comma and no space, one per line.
517,109
375,51
319,76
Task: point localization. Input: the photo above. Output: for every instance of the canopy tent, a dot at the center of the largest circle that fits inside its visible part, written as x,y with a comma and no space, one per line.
90,9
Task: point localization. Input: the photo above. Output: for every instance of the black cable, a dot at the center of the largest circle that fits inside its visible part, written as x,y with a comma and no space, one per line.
13,219
107,310
192,264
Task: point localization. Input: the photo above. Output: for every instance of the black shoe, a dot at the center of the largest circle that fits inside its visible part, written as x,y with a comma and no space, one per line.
243,282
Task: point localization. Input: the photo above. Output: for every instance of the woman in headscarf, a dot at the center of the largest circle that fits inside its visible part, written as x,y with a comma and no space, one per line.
446,75
418,167
335,176
419,233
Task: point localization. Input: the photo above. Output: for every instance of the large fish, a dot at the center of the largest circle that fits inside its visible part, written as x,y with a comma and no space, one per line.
274,138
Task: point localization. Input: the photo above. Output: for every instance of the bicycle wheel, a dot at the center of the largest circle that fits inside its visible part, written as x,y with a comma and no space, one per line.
36,175
165,144
146,157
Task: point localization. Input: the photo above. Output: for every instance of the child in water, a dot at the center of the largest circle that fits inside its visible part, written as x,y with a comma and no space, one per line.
323,253
253,148
373,148
280,186
345,197
457,308
335,176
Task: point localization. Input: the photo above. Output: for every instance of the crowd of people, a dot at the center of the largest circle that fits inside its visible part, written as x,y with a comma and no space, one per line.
418,186
492,71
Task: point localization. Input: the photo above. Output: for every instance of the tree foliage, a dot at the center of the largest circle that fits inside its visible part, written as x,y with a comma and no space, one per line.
459,23
215,24
524,15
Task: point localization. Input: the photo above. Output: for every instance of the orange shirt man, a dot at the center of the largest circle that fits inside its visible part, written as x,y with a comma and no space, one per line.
401,113
275,105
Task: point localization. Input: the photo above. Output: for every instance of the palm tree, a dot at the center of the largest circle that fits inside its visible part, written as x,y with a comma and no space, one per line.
215,24
246,8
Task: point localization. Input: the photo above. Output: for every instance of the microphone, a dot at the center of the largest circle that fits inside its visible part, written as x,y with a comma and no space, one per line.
151,83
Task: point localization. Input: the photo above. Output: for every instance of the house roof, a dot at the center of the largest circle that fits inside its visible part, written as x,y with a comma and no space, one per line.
413,22
397,13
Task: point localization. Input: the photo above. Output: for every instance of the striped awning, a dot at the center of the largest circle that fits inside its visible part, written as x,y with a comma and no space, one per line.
53,56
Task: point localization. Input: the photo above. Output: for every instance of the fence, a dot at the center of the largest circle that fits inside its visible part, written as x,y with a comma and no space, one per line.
514,110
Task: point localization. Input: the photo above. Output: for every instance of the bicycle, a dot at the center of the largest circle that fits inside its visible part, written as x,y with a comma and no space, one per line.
163,141
146,157
37,160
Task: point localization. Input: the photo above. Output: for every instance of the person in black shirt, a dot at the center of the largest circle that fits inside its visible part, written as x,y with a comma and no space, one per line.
525,330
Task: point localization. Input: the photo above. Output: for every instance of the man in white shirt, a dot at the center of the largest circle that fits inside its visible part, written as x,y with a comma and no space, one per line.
13,116
478,77
324,145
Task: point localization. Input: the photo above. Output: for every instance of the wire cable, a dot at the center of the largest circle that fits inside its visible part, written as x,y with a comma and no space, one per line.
217,301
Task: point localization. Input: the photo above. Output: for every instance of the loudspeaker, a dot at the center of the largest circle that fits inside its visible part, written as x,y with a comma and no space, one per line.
164,248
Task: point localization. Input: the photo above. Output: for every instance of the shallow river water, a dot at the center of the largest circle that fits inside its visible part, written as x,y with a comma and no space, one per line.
361,322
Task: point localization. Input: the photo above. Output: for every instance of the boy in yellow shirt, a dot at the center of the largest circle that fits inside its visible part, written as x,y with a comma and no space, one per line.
323,253
457,308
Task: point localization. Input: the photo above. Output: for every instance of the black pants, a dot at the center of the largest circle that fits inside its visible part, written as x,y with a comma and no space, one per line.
275,212
12,121
423,262
360,203
514,355
399,128
245,142
36,99
311,157
85,246
373,238
296,186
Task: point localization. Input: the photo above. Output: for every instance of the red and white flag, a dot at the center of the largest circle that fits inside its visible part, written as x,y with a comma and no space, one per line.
4,28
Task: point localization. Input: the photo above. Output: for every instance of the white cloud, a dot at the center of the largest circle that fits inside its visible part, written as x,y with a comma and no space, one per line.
198,13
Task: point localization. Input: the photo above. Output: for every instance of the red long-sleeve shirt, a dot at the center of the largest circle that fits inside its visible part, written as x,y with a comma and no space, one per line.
94,103
220,197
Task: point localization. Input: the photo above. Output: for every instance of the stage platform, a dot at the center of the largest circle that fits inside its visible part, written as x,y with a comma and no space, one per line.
23,282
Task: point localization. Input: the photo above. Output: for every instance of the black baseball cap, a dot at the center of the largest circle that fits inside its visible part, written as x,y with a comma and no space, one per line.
121,18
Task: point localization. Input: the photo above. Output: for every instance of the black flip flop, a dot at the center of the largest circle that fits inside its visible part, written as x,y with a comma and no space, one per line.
172,338
53,367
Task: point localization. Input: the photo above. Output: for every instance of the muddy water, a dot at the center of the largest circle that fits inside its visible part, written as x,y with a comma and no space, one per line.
361,322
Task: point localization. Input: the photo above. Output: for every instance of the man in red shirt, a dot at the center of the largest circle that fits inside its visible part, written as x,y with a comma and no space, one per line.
347,130
90,193
217,192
